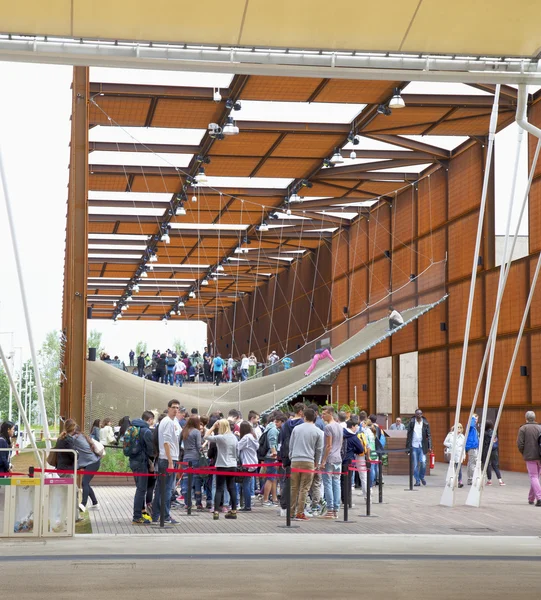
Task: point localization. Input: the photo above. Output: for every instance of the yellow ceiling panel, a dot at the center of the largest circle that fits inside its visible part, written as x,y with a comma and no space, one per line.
316,24
35,16
482,27
280,88
160,20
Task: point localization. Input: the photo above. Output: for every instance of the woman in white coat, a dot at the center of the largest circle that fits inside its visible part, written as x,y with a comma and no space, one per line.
459,452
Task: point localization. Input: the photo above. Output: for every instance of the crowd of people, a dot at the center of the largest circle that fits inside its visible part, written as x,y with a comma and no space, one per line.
176,368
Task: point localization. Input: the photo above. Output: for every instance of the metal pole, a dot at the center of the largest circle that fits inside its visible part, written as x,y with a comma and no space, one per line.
368,486
380,478
162,475
410,489
331,395
190,484
41,399
19,404
288,496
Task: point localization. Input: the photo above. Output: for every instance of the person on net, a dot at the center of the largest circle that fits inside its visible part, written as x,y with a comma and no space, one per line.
320,354
395,318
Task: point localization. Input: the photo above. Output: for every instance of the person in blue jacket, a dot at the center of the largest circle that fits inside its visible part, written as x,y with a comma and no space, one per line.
472,447
352,447
6,433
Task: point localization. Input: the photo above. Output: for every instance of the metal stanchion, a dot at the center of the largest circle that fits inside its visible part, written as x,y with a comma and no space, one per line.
162,474
380,478
189,494
410,489
345,480
287,487
368,489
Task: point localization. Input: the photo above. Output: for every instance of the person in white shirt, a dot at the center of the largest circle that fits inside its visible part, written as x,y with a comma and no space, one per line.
230,367
395,318
459,451
180,372
107,435
273,359
419,444
244,365
169,431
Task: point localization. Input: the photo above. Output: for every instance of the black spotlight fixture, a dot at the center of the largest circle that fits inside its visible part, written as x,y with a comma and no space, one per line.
384,110
233,105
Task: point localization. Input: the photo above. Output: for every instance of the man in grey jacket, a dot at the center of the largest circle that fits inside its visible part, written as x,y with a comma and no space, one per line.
305,448
528,445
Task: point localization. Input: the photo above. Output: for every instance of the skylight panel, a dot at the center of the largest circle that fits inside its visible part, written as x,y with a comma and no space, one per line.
447,142
114,247
366,143
129,196
210,226
178,266
136,159
440,88
146,135
297,112
249,182
151,77
117,236
105,255
126,212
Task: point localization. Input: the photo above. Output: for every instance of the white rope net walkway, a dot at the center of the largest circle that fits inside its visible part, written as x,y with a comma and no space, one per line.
114,393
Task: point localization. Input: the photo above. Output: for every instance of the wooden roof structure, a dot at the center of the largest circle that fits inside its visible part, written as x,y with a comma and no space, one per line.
132,203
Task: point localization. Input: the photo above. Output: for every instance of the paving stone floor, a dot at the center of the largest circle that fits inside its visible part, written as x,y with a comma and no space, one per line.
504,511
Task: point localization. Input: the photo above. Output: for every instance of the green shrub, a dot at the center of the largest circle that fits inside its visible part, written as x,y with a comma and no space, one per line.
114,461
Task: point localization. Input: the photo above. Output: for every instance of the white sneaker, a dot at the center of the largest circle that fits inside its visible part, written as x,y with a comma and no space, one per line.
283,512
82,507
308,513
96,506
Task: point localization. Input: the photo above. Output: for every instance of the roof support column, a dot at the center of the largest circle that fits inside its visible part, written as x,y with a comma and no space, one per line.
76,262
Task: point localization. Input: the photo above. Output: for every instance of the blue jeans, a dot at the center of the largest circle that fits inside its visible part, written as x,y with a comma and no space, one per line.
141,484
169,485
197,484
247,491
331,485
230,372
179,379
419,464
170,376
270,470
244,374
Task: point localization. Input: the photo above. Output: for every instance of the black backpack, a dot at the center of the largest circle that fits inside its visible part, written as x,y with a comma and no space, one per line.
264,446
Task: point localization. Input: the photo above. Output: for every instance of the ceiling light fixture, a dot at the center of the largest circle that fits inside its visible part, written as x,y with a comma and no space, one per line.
136,288
397,101
181,303
144,273
216,96
153,257
173,312
194,198
288,211
295,197
165,237
201,178
353,155
384,110
181,211
230,128
119,316
192,294
204,282
150,267
263,227
230,104
337,158
219,268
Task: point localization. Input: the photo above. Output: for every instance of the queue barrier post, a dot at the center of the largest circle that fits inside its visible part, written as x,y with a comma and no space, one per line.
162,474
189,494
368,489
345,483
380,478
287,488
410,454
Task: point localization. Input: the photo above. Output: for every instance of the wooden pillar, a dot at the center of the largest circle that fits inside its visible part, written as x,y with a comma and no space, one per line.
372,387
76,260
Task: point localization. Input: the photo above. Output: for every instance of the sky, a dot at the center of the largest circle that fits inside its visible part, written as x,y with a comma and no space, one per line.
35,108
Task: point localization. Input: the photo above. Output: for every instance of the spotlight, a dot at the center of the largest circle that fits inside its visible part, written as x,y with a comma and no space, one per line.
181,211
204,282
192,294
337,158
172,313
353,139
150,267
353,155
306,183
397,101
128,298
294,198
136,288
181,304
263,227
165,238
327,163
201,178
384,110
230,128
219,268
216,96
288,211
153,258
233,105
215,131
144,274
194,198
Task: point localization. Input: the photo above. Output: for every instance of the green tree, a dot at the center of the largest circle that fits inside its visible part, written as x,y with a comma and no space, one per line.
4,395
141,347
94,341
49,366
179,345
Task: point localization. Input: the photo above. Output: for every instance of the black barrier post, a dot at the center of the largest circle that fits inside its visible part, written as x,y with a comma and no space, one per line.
287,489
162,472
31,471
345,484
189,494
410,452
380,478
368,487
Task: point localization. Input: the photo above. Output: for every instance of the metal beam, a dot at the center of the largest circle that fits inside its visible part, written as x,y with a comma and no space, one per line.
255,61
153,91
407,143
73,391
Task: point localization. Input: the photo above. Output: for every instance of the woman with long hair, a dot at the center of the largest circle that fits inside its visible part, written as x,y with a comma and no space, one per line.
107,435
6,433
191,442
88,460
459,451
65,460
123,425
95,430
226,445
248,446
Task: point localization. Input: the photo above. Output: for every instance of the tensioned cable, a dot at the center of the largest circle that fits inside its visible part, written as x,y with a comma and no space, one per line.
254,299
451,473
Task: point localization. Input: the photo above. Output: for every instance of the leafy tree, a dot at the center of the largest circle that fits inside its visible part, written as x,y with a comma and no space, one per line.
49,365
4,395
179,345
141,347
94,341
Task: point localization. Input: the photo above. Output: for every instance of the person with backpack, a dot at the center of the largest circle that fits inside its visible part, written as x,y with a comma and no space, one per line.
472,447
529,445
352,448
494,462
139,448
268,453
170,364
380,442
218,368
